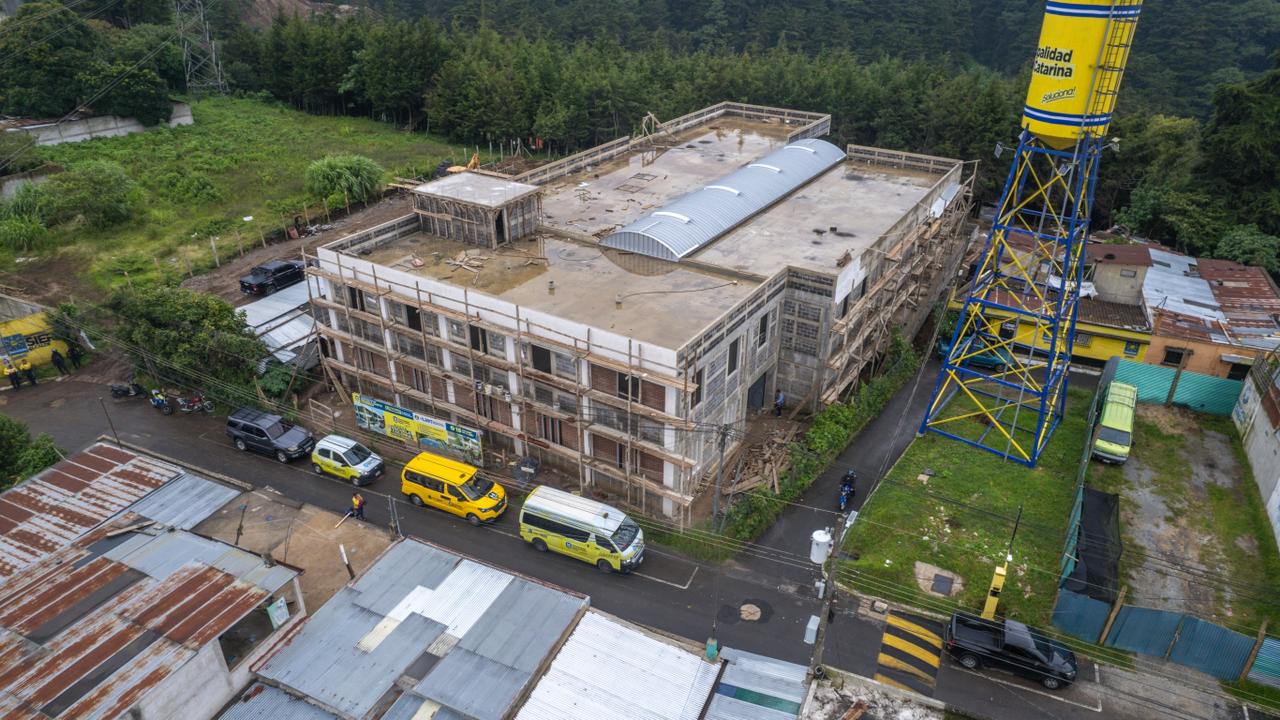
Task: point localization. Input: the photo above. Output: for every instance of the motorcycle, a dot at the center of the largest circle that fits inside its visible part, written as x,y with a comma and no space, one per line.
196,403
161,403
846,489
130,389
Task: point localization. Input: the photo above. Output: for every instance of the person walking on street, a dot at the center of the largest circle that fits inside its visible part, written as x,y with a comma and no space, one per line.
357,506
59,362
75,353
25,366
11,372
779,402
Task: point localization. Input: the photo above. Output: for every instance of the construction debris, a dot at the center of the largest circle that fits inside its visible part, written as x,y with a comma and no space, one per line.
840,700
766,461
472,263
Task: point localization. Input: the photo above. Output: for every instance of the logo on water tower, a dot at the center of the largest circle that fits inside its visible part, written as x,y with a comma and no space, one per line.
1054,62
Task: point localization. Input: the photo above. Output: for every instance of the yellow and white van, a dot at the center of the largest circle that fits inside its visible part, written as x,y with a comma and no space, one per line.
581,528
430,480
1114,436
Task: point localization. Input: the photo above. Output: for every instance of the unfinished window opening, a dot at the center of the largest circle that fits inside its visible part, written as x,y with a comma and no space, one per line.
541,358
479,339
733,358
629,387
696,398
762,334
1174,356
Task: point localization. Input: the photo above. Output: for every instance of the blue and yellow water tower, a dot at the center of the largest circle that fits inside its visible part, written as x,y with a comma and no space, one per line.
1078,64
1022,301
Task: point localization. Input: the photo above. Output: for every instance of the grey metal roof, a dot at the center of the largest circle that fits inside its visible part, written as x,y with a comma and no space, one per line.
161,555
1172,283
281,319
755,687
264,702
693,220
472,633
610,669
185,502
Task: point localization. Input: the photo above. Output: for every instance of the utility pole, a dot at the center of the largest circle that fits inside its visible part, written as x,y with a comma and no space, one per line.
1002,570
1173,386
715,498
199,51
828,585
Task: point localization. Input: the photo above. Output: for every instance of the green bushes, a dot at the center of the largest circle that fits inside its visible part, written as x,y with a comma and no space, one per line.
831,431
22,456
97,194
344,178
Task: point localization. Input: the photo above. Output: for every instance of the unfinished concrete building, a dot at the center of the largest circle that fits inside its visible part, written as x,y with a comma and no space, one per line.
663,287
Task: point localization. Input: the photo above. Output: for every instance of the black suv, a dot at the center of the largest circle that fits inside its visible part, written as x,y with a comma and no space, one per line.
270,277
269,434
1009,645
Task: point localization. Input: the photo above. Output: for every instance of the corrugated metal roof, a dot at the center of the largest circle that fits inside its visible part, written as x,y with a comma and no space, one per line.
1173,283
282,319
53,508
85,635
693,220
755,687
608,669
185,502
404,708
264,702
474,635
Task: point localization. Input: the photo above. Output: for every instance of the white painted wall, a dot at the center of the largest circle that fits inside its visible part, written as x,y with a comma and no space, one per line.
1262,446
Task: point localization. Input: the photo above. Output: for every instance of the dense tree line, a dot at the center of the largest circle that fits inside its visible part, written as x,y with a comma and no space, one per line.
1184,48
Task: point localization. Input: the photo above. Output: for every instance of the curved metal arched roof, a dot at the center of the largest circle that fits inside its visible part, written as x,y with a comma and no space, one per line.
695,219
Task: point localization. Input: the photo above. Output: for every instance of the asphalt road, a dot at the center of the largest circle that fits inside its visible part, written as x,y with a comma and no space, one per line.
668,592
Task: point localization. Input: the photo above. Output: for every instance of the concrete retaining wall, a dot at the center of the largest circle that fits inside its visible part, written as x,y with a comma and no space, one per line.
98,127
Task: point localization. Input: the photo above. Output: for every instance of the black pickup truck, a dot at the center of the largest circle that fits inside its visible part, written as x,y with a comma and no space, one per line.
1009,645
270,277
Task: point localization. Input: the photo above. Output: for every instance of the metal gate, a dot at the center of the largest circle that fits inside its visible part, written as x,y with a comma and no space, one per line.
1266,667
1080,615
1150,632
1212,649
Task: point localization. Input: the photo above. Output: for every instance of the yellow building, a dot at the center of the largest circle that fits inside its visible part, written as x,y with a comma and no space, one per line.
1103,330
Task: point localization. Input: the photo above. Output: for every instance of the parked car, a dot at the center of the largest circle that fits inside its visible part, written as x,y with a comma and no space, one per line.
345,458
1113,437
268,434
991,358
1009,645
270,277
431,480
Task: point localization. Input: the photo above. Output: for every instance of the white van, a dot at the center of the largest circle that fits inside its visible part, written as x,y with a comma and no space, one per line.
581,528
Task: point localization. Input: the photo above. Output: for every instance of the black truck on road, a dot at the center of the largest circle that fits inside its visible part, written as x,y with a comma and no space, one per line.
1009,645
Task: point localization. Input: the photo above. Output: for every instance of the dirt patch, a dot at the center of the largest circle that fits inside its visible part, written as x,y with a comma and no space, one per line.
1174,485
225,281
52,280
300,535
1171,420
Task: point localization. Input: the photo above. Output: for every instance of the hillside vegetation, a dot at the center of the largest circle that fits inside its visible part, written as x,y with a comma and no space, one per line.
241,158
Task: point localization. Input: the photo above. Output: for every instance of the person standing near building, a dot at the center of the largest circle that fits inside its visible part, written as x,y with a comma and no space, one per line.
779,402
25,366
74,354
59,362
11,372
357,506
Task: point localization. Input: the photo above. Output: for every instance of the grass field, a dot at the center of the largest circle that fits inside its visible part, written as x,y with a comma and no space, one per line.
960,519
241,158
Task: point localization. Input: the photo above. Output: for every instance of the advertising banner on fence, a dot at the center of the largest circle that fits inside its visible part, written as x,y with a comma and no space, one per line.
428,432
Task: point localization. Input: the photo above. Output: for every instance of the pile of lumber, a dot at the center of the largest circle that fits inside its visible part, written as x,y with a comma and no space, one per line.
764,463
473,263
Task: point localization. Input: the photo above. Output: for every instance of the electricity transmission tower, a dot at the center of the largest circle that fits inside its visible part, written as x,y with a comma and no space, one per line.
199,51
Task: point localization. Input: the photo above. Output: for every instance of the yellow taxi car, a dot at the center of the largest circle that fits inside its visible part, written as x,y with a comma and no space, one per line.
345,458
430,480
